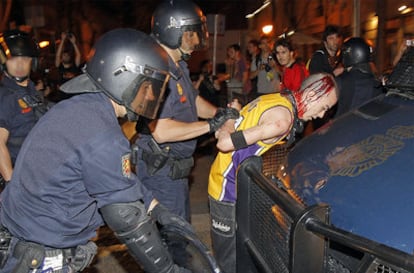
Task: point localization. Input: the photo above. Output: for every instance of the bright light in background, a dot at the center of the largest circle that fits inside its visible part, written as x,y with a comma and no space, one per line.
44,44
290,33
287,34
372,22
405,9
400,9
267,29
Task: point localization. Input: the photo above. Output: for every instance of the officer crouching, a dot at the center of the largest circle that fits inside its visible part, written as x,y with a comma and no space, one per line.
73,172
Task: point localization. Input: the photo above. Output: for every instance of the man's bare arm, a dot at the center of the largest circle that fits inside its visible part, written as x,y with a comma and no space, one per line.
273,124
6,168
170,130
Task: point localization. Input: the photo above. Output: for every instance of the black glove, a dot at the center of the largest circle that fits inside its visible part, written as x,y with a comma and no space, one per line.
221,116
3,183
165,217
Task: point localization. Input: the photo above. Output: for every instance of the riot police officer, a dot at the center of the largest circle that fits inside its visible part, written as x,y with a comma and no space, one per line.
166,149
74,169
358,83
20,103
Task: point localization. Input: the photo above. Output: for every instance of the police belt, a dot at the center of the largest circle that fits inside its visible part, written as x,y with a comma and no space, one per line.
32,256
179,168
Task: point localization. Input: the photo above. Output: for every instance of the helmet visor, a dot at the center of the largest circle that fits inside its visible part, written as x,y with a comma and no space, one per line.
145,100
200,29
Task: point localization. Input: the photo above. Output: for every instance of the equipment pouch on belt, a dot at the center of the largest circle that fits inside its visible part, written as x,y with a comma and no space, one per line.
5,238
156,159
35,256
181,168
30,256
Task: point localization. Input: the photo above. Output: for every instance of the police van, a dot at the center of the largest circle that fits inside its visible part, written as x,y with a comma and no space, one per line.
342,200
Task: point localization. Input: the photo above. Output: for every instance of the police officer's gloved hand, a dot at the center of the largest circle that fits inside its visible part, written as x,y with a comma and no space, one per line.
165,217
3,183
221,116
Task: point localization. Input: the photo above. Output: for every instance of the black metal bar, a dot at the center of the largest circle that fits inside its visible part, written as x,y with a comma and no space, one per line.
258,259
245,262
307,248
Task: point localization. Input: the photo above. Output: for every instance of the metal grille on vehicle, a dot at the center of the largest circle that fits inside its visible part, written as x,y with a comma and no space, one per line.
402,76
270,229
273,158
379,266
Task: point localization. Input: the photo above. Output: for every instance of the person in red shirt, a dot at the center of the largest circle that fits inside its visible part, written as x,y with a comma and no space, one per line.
293,72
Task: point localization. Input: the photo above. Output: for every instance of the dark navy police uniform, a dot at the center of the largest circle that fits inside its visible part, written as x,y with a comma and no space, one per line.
179,105
75,161
16,114
321,61
356,88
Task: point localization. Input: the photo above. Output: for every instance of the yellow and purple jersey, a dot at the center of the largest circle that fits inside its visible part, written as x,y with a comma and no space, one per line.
222,179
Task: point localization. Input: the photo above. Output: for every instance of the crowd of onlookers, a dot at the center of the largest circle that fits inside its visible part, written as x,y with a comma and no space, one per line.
270,65
67,64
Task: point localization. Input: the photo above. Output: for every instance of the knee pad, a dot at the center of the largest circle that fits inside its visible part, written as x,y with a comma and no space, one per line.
140,234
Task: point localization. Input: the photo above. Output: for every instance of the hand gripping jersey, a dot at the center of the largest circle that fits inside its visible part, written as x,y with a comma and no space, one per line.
222,180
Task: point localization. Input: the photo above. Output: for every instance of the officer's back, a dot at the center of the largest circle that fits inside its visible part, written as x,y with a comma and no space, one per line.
358,83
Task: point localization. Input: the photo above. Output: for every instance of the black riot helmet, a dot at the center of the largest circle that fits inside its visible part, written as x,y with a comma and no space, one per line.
173,17
132,68
14,43
355,51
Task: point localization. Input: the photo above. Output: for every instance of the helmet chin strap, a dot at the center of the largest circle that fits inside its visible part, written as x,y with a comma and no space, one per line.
184,56
17,79
131,116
